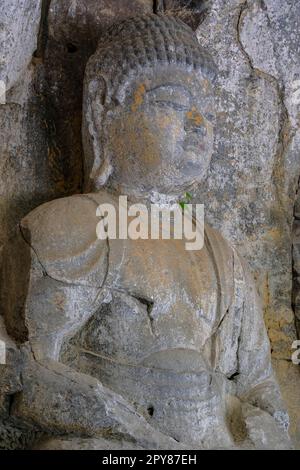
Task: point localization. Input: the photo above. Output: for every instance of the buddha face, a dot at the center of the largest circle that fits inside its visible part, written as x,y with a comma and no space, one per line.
159,137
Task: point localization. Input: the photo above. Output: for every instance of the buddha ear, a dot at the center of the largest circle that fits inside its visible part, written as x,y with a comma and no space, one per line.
94,99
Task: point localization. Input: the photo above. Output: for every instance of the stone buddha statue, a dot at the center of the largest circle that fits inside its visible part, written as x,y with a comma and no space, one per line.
139,343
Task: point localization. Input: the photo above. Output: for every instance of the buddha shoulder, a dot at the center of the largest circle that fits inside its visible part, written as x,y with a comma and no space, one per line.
62,233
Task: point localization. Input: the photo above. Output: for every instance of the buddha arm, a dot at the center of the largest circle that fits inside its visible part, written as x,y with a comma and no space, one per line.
256,383
58,400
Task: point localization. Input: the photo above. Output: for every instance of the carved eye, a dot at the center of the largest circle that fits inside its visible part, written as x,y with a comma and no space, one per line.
172,104
195,121
200,130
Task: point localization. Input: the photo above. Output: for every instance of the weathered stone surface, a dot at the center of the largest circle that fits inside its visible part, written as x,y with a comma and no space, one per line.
74,28
76,21
20,21
269,36
40,126
26,173
270,40
127,312
296,262
250,191
191,12
262,430
13,434
10,370
58,400
288,377
244,194
85,444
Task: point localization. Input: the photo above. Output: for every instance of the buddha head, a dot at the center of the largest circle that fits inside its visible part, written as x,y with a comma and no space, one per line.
148,101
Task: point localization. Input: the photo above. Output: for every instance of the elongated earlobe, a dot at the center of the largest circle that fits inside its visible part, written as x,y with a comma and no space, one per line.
96,96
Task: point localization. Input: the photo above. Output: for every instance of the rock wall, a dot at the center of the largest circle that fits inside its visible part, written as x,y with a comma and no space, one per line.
296,260
20,153
251,188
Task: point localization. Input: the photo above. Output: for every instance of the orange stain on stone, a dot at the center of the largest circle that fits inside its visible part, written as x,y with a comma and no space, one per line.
195,116
138,97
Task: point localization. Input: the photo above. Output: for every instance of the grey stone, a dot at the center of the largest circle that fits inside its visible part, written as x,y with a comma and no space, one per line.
262,431
296,262
246,195
13,434
71,21
74,28
85,444
58,400
249,193
118,342
251,187
28,175
20,21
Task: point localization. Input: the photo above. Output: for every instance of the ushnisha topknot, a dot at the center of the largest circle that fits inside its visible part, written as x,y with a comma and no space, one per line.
145,41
